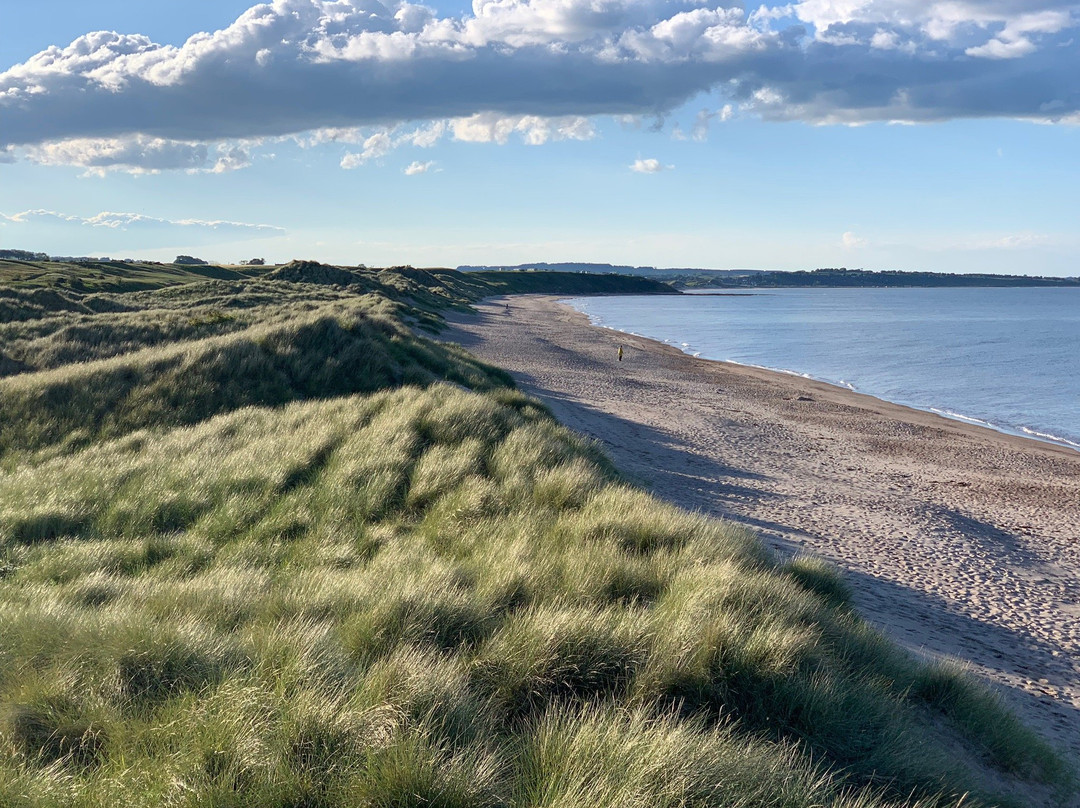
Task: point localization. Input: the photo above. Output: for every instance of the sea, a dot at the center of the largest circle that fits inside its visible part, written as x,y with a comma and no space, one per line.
1004,358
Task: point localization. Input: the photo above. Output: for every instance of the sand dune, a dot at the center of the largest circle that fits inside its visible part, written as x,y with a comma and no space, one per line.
957,540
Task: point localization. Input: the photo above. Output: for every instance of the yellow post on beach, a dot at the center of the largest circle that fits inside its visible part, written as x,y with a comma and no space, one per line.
620,353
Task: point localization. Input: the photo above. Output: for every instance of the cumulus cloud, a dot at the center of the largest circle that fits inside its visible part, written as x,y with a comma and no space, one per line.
850,241
427,136
540,69
139,222
381,143
649,165
484,127
231,159
938,19
416,167
375,146
489,127
139,155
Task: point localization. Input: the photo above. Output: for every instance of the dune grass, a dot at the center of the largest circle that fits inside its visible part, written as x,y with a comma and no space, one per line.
333,350
394,581
112,276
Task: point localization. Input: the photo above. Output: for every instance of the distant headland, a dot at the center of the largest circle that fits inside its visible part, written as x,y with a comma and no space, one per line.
690,278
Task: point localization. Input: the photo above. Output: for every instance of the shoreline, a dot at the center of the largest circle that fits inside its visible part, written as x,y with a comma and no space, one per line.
958,540
1024,432
983,428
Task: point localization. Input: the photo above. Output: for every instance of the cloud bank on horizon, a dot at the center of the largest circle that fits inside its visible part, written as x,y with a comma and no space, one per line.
140,230
321,70
128,221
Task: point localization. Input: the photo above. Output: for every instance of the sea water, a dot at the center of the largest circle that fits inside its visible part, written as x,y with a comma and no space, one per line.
1004,358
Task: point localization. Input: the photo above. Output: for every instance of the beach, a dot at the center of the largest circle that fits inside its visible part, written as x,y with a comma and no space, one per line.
958,541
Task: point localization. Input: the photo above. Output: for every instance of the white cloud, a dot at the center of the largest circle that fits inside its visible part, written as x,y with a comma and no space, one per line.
850,241
535,130
427,136
885,40
136,154
1001,49
140,155
538,69
1014,39
231,159
938,19
136,221
999,30
416,167
649,165
484,127
375,146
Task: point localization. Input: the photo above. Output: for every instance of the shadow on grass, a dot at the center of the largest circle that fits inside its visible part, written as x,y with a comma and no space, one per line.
933,627
674,470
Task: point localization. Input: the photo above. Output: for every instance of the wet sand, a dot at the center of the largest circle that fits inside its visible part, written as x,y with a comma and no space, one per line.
958,541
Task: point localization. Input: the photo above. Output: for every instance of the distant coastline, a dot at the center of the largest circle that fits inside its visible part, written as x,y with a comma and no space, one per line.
993,357
842,277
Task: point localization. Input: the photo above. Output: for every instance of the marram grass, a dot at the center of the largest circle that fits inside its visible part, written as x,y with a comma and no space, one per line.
408,593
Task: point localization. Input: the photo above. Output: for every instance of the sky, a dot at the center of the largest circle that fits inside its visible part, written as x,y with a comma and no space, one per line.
939,135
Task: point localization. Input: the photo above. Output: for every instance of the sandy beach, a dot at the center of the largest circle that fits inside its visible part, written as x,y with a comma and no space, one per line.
957,540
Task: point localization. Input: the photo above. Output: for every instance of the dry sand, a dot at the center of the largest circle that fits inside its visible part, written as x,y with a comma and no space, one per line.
957,540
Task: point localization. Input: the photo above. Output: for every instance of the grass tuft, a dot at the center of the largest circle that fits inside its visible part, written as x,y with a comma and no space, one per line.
821,578
45,735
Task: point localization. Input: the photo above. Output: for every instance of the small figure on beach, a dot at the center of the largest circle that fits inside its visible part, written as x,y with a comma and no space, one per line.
620,353
507,308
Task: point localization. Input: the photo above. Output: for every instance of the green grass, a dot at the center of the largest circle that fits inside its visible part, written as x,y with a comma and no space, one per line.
337,349
309,557
112,276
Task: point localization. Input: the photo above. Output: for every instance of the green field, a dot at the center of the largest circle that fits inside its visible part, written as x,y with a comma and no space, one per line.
264,541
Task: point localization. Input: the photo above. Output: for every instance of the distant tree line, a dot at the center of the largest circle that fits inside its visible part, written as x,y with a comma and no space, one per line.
22,255
844,277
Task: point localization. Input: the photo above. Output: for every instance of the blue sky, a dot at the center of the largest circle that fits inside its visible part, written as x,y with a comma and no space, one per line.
886,134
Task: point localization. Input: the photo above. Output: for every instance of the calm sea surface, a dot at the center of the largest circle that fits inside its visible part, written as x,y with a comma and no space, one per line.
1005,358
